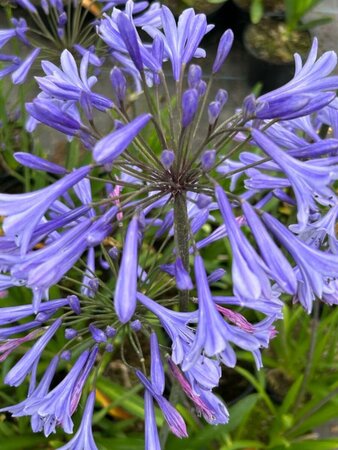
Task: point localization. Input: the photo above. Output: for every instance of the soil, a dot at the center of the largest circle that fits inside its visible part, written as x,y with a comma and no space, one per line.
270,40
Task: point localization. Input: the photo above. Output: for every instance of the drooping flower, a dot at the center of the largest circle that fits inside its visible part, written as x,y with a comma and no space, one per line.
68,83
248,270
126,284
83,438
22,368
313,265
171,415
309,90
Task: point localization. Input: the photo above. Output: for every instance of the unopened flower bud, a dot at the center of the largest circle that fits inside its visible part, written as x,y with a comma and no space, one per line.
109,348
167,158
119,83
97,334
74,303
214,111
189,106
66,355
203,201
222,97
110,331
202,88
208,159
223,50
194,76
249,105
70,333
136,325
62,20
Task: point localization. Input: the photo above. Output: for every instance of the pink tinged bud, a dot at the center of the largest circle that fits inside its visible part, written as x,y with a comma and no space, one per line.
201,407
167,158
111,146
236,318
208,160
20,74
8,347
223,50
171,415
189,106
126,284
97,334
115,194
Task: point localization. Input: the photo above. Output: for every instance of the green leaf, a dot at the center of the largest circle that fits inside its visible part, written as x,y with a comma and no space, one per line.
236,445
29,442
325,414
291,396
256,11
314,23
123,443
258,386
327,444
241,410
126,399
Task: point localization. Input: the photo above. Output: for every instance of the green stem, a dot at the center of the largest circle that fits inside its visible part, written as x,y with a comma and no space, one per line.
313,339
181,227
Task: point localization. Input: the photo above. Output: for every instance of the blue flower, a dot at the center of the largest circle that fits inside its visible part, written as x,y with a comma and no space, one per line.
24,211
83,438
111,146
68,83
249,272
181,41
308,181
306,92
126,284
22,368
172,417
313,266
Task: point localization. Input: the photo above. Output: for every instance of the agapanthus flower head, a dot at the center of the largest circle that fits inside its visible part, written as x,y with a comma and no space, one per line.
121,231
